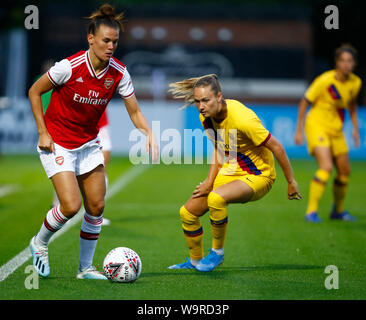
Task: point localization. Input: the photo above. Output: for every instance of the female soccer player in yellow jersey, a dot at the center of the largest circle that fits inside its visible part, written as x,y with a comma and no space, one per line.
247,174
330,95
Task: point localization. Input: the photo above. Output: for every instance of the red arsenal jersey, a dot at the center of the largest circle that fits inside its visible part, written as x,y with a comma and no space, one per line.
81,96
103,121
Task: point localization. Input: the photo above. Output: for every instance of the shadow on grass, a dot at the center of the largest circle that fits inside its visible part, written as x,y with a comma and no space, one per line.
285,267
171,215
223,270
170,273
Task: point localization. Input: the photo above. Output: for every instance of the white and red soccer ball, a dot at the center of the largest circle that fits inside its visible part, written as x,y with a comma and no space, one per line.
122,265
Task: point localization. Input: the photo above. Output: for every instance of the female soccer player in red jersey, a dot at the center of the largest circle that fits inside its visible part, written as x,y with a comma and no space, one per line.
69,149
247,174
330,95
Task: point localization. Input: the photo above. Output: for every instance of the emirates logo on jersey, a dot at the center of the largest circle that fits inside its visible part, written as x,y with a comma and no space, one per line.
108,82
59,160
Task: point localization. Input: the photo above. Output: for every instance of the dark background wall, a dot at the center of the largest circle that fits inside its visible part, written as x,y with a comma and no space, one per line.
270,39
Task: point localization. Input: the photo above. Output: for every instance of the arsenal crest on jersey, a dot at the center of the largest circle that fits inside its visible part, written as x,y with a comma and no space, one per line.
108,82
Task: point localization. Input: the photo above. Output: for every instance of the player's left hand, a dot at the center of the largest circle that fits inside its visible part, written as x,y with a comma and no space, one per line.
293,191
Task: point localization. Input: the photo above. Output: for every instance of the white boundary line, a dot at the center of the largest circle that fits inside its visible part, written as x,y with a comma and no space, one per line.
13,264
8,189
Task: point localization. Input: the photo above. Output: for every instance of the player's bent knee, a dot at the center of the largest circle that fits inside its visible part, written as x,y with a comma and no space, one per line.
326,167
341,180
70,208
217,205
345,171
95,208
322,175
214,200
186,216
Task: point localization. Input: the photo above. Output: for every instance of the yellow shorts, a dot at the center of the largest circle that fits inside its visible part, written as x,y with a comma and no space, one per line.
259,184
317,137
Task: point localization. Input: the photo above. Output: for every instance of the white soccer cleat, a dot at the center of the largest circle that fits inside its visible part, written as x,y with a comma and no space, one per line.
40,258
91,273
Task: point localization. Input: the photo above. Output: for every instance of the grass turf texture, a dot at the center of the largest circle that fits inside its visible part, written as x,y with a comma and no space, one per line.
270,252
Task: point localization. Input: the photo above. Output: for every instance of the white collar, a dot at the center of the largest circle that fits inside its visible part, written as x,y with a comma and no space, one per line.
91,68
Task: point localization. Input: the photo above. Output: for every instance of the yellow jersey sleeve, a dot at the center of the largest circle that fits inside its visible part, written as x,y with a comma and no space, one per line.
254,130
315,89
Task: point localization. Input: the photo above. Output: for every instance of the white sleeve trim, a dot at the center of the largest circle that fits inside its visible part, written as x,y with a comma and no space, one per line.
60,73
125,87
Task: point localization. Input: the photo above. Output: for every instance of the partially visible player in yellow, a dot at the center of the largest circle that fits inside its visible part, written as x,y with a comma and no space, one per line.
330,95
242,167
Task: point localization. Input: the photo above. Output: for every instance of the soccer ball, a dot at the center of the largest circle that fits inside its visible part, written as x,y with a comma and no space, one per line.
122,265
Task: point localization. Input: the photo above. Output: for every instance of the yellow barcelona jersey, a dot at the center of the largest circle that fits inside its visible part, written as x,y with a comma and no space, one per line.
330,98
242,136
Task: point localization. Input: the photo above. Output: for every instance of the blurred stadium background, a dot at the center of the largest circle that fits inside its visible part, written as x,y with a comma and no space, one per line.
265,53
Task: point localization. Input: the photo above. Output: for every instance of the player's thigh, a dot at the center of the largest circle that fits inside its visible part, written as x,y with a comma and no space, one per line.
241,189
107,156
315,137
236,191
197,206
67,190
61,160
93,189
340,154
342,164
324,157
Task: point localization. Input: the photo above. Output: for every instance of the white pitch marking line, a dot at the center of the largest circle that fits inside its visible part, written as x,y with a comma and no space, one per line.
13,264
8,189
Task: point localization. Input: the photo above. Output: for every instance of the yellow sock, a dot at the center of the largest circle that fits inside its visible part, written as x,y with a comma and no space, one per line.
339,192
193,233
317,187
218,217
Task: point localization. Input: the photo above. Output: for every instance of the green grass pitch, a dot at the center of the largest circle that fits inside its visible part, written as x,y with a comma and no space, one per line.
270,252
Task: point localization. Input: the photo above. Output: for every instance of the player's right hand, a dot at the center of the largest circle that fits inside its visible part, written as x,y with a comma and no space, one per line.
45,143
202,190
293,191
299,138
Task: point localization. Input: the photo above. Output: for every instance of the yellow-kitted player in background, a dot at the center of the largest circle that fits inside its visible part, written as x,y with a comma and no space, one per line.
247,174
330,95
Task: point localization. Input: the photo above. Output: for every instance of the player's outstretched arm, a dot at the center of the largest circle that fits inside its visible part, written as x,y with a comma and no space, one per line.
41,86
280,154
140,122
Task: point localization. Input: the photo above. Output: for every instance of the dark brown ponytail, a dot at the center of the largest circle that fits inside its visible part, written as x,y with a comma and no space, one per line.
105,15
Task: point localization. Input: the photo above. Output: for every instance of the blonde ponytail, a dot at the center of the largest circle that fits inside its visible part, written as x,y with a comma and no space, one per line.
184,89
